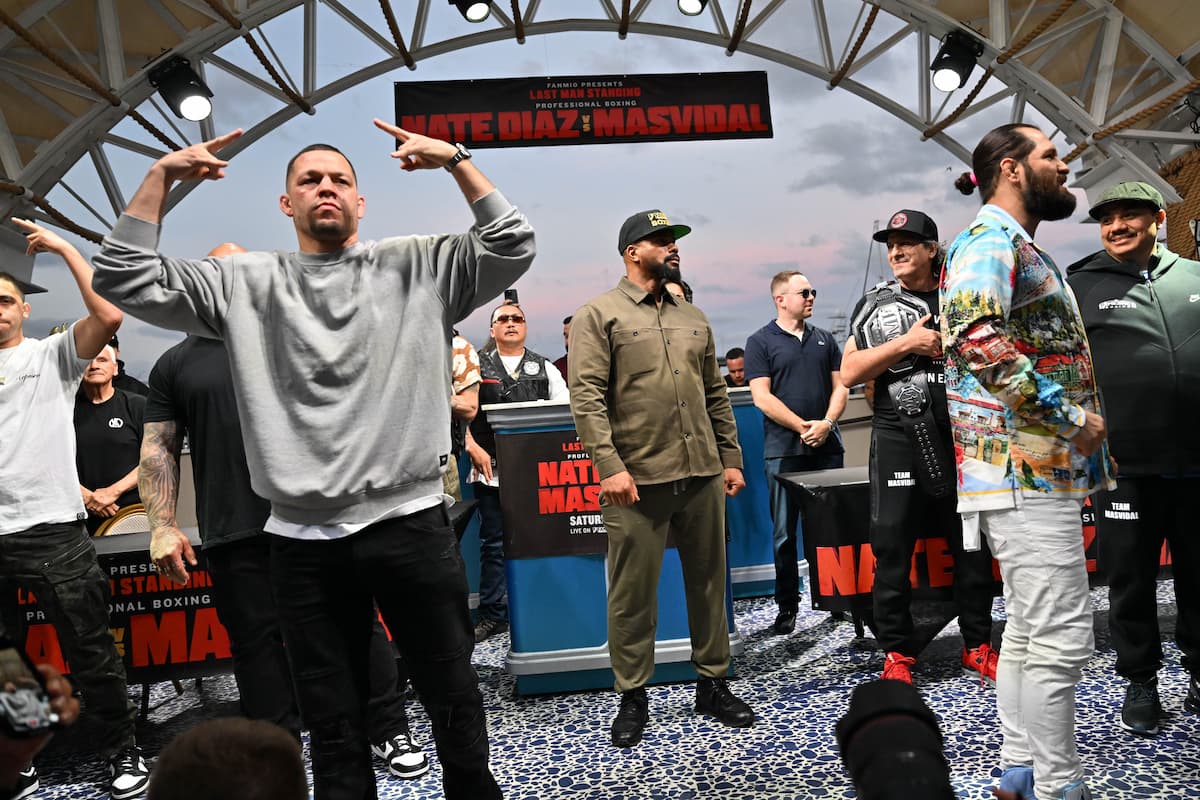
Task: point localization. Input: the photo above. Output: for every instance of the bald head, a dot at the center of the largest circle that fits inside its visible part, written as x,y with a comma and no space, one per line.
226,249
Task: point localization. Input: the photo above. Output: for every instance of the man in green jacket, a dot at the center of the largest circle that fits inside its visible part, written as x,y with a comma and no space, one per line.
1141,306
652,408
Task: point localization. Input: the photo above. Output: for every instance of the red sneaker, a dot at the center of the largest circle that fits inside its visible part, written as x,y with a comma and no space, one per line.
981,662
898,667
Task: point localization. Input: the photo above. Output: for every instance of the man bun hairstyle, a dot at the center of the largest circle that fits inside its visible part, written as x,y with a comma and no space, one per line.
1007,141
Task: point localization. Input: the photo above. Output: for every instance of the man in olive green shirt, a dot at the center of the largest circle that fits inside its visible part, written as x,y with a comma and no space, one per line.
651,407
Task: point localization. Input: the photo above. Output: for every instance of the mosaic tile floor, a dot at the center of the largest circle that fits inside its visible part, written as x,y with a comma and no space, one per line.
556,747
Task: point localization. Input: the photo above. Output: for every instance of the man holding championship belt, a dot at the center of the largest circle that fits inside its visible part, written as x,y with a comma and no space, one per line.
896,343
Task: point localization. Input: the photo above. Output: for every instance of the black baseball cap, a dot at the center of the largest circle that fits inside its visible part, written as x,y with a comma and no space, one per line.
908,221
645,224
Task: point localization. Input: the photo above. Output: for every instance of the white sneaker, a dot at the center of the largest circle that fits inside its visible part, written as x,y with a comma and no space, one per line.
128,774
404,758
1077,790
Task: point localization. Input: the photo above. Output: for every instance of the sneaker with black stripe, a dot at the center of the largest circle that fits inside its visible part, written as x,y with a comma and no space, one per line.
27,783
128,774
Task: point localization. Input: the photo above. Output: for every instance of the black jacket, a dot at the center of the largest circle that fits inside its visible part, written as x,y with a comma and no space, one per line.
1144,330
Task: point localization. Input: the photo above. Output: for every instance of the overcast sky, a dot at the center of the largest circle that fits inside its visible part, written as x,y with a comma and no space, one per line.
807,199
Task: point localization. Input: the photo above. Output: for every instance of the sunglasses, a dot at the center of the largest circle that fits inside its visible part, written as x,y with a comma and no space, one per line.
508,318
805,293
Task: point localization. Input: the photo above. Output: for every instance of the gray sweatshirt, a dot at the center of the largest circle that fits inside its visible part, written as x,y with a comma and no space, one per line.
341,361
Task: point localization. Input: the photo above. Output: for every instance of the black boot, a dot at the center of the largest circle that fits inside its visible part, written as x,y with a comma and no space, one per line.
631,719
714,698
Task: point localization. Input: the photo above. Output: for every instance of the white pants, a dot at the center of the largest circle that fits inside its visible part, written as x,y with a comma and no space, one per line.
1048,638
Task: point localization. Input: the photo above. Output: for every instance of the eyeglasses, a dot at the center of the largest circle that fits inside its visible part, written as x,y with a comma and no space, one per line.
805,293
509,318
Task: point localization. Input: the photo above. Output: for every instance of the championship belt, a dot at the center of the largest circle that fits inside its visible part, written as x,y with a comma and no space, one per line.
888,313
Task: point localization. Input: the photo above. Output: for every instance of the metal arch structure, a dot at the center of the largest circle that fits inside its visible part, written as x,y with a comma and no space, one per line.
1112,76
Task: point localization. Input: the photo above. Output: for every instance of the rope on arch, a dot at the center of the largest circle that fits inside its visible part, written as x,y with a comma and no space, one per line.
389,17
853,54
1183,173
58,216
84,79
236,24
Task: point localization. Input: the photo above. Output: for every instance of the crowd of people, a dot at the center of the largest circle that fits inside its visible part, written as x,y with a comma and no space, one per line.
999,383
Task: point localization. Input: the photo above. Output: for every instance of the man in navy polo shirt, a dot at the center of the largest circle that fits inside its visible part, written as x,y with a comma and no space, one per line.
792,369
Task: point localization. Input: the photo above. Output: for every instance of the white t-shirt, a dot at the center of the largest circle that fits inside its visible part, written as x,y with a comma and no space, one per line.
38,481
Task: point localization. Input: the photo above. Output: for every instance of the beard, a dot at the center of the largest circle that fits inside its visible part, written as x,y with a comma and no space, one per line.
1047,199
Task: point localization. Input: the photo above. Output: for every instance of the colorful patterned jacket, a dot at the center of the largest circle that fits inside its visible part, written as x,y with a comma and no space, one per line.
1019,373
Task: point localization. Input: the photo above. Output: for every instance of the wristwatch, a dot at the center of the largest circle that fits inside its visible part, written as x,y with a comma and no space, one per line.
462,155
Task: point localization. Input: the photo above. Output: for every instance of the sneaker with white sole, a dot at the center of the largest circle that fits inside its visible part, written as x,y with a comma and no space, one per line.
404,757
128,774
1076,790
27,783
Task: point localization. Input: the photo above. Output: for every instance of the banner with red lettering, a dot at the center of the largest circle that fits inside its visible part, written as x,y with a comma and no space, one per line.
841,565
162,630
551,497
588,109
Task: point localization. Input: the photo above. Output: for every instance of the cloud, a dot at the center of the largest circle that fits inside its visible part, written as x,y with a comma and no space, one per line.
866,157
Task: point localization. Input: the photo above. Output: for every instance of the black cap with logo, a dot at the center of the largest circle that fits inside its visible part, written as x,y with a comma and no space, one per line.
645,224
908,221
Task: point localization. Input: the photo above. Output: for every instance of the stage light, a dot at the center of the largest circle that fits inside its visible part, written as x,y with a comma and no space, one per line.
182,88
692,7
472,10
954,61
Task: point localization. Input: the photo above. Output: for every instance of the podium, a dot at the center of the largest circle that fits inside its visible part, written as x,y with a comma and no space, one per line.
556,561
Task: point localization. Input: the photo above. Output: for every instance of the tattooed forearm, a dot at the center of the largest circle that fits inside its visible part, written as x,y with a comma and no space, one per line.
158,472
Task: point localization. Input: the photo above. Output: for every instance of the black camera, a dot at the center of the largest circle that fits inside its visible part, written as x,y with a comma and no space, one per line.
510,296
24,704
891,744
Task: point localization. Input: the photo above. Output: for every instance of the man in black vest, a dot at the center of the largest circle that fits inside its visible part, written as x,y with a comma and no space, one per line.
511,374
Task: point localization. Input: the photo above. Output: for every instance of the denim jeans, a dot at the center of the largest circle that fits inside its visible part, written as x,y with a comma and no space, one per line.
1048,637
242,593
409,566
57,562
785,517
493,583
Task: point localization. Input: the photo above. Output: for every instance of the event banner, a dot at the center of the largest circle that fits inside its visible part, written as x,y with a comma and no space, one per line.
841,566
551,499
162,630
588,109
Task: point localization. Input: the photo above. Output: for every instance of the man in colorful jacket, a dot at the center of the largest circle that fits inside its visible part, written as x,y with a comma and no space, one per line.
1029,444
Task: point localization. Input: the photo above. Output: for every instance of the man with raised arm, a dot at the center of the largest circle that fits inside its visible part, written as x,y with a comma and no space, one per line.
346,421
43,545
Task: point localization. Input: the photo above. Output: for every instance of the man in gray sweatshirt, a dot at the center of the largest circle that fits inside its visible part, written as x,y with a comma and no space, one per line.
346,425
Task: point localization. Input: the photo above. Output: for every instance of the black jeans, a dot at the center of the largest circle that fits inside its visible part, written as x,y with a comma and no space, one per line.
900,514
241,575
1131,522
411,568
57,562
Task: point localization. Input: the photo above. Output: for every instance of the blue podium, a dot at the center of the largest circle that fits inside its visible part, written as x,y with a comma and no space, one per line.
748,515
556,546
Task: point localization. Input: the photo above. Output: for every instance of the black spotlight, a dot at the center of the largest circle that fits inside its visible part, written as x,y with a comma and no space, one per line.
472,10
954,61
182,88
692,7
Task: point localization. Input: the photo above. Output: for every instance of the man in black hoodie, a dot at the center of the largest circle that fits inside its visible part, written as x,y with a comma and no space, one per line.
1141,306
